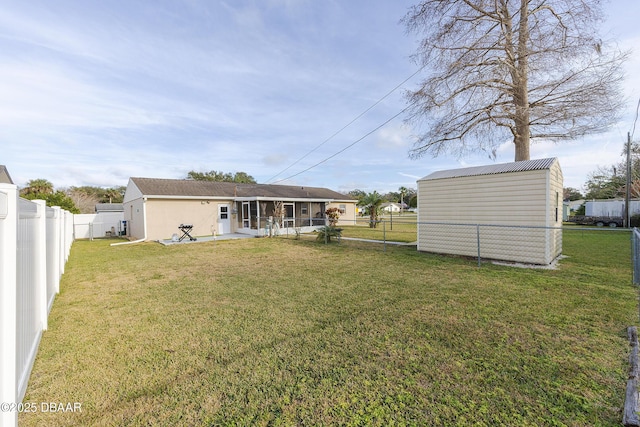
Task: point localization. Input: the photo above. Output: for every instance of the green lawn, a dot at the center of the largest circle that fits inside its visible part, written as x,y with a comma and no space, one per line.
399,229
292,332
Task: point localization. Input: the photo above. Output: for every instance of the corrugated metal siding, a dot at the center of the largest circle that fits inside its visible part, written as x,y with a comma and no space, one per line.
605,208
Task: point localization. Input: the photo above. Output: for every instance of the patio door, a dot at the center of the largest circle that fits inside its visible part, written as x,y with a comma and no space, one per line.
224,221
289,220
246,216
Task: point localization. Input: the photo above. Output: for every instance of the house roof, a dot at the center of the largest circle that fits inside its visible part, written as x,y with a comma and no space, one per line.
5,178
109,207
522,166
192,188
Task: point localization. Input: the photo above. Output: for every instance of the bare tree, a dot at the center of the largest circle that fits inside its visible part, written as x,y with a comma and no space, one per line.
83,200
510,69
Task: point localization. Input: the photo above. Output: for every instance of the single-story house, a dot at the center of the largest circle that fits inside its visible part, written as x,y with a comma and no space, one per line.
390,207
5,178
155,208
513,209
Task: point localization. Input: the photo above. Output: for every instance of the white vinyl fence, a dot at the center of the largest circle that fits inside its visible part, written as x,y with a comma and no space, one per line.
106,224
35,241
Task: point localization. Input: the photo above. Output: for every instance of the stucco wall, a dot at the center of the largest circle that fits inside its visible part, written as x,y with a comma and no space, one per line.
349,216
134,215
165,215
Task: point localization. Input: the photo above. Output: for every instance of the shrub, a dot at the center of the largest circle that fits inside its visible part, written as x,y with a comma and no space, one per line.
326,233
332,215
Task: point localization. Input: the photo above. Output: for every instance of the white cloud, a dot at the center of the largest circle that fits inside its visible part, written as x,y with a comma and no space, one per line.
393,137
94,93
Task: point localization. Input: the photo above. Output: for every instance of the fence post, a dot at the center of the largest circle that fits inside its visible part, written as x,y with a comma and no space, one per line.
633,255
8,302
56,247
60,221
478,237
40,261
384,236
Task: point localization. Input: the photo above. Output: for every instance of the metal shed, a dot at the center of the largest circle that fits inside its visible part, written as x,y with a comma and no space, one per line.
509,211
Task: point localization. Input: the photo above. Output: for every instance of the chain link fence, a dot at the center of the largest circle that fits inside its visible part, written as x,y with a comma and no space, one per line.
635,255
512,243
482,242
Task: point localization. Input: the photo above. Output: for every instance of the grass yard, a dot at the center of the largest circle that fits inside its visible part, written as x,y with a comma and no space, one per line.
399,230
292,332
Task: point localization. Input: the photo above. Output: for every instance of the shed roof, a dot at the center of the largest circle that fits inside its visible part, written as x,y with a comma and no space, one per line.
5,178
522,166
192,188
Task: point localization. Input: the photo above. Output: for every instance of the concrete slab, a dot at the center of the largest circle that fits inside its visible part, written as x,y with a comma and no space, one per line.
200,239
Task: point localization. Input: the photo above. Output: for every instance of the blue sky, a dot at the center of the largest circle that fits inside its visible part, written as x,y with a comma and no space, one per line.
94,92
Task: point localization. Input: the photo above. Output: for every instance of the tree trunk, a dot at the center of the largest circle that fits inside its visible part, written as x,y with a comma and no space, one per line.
522,144
521,95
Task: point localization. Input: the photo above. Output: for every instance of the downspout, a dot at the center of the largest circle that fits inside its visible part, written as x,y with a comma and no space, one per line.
144,216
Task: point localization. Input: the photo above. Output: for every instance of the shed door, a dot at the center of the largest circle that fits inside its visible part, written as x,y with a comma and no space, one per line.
224,221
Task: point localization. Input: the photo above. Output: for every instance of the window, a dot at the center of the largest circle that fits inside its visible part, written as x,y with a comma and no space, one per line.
304,209
224,212
343,209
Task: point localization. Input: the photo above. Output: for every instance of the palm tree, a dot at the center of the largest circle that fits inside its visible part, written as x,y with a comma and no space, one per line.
37,187
403,192
372,202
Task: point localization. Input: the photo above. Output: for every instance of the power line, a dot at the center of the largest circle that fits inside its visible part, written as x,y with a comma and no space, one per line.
345,148
344,127
636,119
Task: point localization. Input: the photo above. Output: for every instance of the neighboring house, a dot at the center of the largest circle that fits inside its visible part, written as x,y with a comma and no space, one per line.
526,195
155,208
390,207
5,178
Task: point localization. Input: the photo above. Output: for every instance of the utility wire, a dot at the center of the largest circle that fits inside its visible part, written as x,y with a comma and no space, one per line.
343,128
635,120
347,147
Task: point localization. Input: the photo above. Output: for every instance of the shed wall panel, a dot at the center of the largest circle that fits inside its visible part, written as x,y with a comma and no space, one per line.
522,200
554,213
523,244
514,199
